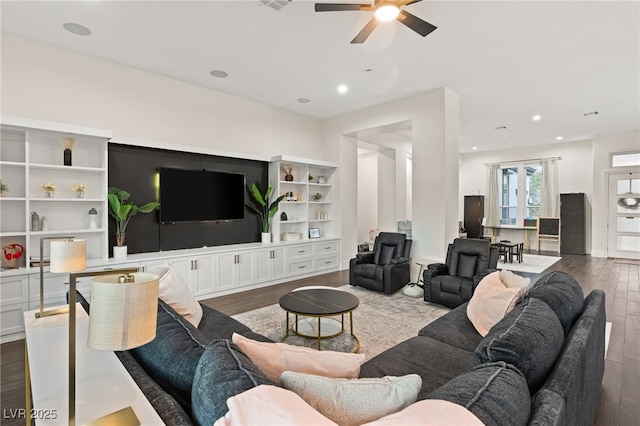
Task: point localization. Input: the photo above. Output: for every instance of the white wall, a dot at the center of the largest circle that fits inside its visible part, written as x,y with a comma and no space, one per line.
434,117
603,147
367,194
47,83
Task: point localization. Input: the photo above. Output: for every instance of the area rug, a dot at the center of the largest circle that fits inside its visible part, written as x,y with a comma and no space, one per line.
380,322
532,263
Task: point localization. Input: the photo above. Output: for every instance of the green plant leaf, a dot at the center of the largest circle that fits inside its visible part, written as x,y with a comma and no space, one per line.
257,195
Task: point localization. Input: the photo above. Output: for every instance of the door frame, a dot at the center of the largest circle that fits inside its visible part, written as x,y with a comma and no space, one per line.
632,173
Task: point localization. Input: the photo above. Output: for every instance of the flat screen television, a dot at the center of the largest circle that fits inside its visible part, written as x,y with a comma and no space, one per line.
200,195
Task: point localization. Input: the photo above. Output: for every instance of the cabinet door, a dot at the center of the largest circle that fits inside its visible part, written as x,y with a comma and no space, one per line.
244,268
263,265
226,270
182,266
278,262
203,277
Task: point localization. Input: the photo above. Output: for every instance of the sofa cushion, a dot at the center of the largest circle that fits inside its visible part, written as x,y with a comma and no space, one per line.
530,337
274,358
352,402
430,412
511,280
453,328
172,357
223,371
174,292
490,302
562,293
496,393
436,362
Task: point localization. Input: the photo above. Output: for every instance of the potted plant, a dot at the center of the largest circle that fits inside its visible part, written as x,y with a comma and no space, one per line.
263,209
48,189
122,210
78,188
3,188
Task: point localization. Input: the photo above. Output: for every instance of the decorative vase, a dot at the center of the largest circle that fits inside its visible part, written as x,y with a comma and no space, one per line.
80,194
49,194
283,217
67,157
119,252
266,237
288,177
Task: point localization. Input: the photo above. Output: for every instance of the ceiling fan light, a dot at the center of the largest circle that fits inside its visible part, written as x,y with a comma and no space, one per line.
387,12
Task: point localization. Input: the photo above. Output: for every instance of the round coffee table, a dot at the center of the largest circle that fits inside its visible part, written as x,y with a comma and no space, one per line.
320,303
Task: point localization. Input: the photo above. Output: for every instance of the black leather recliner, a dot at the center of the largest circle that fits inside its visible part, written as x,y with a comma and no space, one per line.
387,268
453,283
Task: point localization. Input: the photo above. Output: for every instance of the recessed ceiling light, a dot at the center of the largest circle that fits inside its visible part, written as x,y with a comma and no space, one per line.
343,88
475,148
304,100
536,118
219,74
559,138
77,29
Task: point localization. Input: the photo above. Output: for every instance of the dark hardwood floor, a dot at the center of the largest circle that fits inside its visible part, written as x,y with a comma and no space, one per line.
619,278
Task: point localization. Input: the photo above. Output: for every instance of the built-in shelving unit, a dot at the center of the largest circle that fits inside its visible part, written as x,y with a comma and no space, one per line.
308,203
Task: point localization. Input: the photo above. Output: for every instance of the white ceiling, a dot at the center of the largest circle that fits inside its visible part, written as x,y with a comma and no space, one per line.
508,60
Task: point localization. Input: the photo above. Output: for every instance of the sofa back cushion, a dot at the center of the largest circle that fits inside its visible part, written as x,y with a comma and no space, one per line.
223,371
530,337
171,358
562,293
496,393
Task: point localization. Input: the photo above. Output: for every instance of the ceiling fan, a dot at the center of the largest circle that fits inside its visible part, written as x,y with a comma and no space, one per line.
385,10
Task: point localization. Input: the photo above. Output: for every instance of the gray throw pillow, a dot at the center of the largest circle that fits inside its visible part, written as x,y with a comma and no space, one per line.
530,338
562,293
352,402
222,372
171,358
496,393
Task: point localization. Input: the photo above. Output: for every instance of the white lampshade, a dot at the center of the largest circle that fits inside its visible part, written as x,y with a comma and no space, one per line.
68,255
123,314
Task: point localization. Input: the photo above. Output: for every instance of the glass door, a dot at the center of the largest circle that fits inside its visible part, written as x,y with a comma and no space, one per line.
624,216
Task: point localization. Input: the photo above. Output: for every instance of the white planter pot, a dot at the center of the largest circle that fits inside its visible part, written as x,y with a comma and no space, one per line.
266,237
119,252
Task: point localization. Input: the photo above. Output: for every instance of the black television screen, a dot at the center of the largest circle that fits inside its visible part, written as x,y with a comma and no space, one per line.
200,195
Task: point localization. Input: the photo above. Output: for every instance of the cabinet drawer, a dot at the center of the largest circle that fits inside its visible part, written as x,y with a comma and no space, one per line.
55,285
300,267
326,247
14,290
11,319
300,251
327,262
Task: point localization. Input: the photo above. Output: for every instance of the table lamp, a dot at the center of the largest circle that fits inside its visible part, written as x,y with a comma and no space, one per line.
124,305
72,259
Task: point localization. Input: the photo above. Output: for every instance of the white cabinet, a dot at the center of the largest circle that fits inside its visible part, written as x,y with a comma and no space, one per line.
235,269
31,154
14,295
326,255
270,264
308,203
203,275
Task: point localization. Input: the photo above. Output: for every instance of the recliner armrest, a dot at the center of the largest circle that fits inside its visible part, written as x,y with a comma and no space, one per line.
480,275
364,257
399,260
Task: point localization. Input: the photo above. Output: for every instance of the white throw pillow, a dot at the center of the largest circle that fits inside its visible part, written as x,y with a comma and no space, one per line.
174,292
511,280
430,412
356,401
274,358
490,302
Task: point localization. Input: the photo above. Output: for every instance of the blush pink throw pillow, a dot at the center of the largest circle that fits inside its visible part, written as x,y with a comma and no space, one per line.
490,302
274,358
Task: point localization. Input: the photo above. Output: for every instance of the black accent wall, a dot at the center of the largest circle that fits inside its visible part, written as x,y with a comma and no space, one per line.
134,169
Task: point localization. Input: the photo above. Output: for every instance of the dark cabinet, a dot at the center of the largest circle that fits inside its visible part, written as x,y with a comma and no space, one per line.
473,214
573,223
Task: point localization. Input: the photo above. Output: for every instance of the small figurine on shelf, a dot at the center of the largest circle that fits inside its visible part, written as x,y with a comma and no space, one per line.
3,188
78,188
49,188
316,197
11,253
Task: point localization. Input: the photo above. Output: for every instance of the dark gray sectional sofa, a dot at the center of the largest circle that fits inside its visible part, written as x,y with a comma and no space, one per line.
542,364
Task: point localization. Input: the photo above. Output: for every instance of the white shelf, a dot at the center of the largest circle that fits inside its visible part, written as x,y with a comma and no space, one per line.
59,167
68,231
12,234
13,199
12,164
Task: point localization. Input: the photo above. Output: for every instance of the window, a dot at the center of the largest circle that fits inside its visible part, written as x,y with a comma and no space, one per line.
625,160
520,187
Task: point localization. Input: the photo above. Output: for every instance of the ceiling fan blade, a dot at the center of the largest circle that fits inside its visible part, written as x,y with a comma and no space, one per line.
408,2
416,24
337,7
365,32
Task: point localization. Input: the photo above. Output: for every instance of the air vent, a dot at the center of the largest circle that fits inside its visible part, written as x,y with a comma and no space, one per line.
588,114
275,4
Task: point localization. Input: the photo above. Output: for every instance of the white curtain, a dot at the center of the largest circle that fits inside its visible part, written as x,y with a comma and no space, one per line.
549,194
492,205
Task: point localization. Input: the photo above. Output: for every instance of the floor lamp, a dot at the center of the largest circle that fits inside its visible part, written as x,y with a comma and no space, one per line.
123,315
